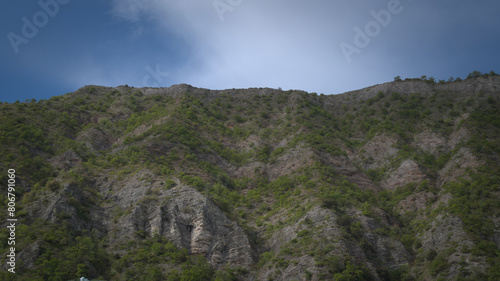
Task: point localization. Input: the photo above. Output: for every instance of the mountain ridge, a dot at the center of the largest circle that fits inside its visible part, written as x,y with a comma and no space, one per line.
397,181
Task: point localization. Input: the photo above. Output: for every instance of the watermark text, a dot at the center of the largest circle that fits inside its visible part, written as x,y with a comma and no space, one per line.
157,75
222,7
49,9
363,37
11,209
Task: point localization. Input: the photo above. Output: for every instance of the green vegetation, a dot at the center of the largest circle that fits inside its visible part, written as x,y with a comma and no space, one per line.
474,74
268,159
64,253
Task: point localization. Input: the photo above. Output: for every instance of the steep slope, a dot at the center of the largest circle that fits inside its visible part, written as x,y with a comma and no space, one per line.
397,181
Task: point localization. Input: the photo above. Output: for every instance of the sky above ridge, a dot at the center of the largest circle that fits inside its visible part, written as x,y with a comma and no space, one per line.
52,47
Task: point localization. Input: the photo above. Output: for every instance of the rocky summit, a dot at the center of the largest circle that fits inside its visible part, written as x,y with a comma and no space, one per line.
398,181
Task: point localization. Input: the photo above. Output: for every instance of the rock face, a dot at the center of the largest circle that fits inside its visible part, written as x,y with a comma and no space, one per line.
95,139
67,160
379,150
407,172
186,217
414,202
194,222
67,204
183,215
326,226
430,142
456,167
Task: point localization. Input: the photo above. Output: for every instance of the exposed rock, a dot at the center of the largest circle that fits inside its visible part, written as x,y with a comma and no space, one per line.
136,132
29,255
430,142
389,251
486,85
292,160
456,167
496,235
323,226
191,221
95,139
408,172
344,166
69,204
446,230
67,160
415,202
404,88
315,218
377,152
248,170
442,230
458,137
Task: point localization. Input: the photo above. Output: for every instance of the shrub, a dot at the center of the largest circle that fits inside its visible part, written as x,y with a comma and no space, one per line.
265,258
395,96
351,273
439,264
53,185
239,119
169,183
303,233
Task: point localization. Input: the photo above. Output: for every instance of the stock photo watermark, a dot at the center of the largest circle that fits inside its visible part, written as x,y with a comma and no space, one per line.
222,7
155,74
363,37
30,27
11,220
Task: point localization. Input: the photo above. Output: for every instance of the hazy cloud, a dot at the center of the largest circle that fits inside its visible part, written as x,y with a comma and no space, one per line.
293,44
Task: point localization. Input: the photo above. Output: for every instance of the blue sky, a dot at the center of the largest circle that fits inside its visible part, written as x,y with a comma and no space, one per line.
52,47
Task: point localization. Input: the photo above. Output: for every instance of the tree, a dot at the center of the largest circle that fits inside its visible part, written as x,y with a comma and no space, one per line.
351,273
474,74
397,78
81,270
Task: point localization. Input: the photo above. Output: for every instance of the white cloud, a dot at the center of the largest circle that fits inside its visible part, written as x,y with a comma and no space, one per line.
281,43
291,44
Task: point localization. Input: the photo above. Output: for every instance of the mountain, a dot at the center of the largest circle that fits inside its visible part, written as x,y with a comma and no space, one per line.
398,181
